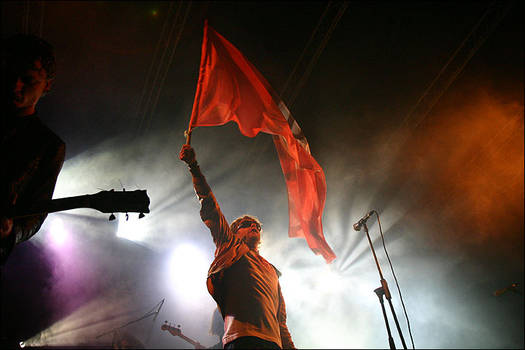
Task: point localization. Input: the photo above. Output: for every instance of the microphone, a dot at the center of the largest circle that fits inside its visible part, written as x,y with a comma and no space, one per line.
360,223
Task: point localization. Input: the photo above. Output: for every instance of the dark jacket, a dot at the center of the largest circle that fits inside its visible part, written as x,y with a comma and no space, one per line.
32,156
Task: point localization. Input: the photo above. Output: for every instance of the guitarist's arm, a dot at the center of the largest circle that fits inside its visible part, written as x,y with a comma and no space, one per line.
32,186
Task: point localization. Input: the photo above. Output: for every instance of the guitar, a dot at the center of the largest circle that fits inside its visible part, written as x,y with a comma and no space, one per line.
104,201
176,331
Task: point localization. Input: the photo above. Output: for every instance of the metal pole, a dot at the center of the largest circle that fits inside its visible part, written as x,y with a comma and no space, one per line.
384,289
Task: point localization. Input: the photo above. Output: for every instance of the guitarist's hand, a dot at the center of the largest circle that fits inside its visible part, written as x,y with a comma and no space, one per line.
187,155
6,226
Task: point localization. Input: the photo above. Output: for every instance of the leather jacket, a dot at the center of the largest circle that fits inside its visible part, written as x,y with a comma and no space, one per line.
32,156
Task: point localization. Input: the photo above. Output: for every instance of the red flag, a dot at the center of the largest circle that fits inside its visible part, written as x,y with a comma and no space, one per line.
231,89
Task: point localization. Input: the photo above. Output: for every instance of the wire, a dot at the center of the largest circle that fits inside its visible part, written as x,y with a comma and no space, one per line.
169,61
142,106
471,44
395,278
155,85
310,40
317,53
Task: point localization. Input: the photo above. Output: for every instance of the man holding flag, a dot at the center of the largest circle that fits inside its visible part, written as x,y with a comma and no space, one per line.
244,285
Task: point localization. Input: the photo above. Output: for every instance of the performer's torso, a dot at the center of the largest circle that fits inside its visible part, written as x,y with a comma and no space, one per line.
251,299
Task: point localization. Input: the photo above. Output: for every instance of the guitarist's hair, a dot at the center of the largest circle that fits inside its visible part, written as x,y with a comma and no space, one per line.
21,50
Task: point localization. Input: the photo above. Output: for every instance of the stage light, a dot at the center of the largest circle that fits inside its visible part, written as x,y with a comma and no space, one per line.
130,227
330,281
58,232
188,267
22,344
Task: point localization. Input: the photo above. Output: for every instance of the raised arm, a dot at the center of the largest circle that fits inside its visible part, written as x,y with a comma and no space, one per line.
210,212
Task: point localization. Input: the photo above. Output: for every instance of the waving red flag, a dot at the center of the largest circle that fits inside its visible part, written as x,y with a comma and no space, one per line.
231,89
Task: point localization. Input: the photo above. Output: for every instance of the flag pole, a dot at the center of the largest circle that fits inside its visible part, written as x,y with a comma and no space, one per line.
195,110
187,133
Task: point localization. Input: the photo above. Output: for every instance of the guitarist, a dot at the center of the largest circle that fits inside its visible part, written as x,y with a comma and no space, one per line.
244,285
32,155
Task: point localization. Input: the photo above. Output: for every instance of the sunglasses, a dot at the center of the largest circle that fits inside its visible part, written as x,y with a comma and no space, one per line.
248,223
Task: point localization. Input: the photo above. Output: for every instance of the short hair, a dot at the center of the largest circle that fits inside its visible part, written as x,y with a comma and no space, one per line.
234,226
21,51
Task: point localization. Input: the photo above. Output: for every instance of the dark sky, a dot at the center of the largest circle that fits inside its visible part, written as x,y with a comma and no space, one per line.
414,109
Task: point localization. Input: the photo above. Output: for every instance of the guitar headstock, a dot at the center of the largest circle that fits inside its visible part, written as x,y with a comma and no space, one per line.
120,201
173,330
176,331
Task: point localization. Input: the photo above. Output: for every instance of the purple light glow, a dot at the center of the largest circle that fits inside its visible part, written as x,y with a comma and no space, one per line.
58,234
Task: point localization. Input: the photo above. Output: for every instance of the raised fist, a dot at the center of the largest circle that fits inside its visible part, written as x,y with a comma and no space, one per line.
187,154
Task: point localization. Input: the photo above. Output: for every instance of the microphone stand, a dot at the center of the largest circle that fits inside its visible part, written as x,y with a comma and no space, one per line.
148,314
383,290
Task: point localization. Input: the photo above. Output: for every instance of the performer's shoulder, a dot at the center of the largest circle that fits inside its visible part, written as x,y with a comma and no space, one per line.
279,274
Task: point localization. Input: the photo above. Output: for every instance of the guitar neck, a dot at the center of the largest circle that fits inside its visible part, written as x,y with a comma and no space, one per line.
177,333
53,205
196,344
104,201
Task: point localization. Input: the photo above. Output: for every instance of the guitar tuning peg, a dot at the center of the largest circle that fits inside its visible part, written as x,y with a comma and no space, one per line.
112,217
141,215
127,216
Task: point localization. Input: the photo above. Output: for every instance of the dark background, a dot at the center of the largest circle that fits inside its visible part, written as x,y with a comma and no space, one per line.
414,109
